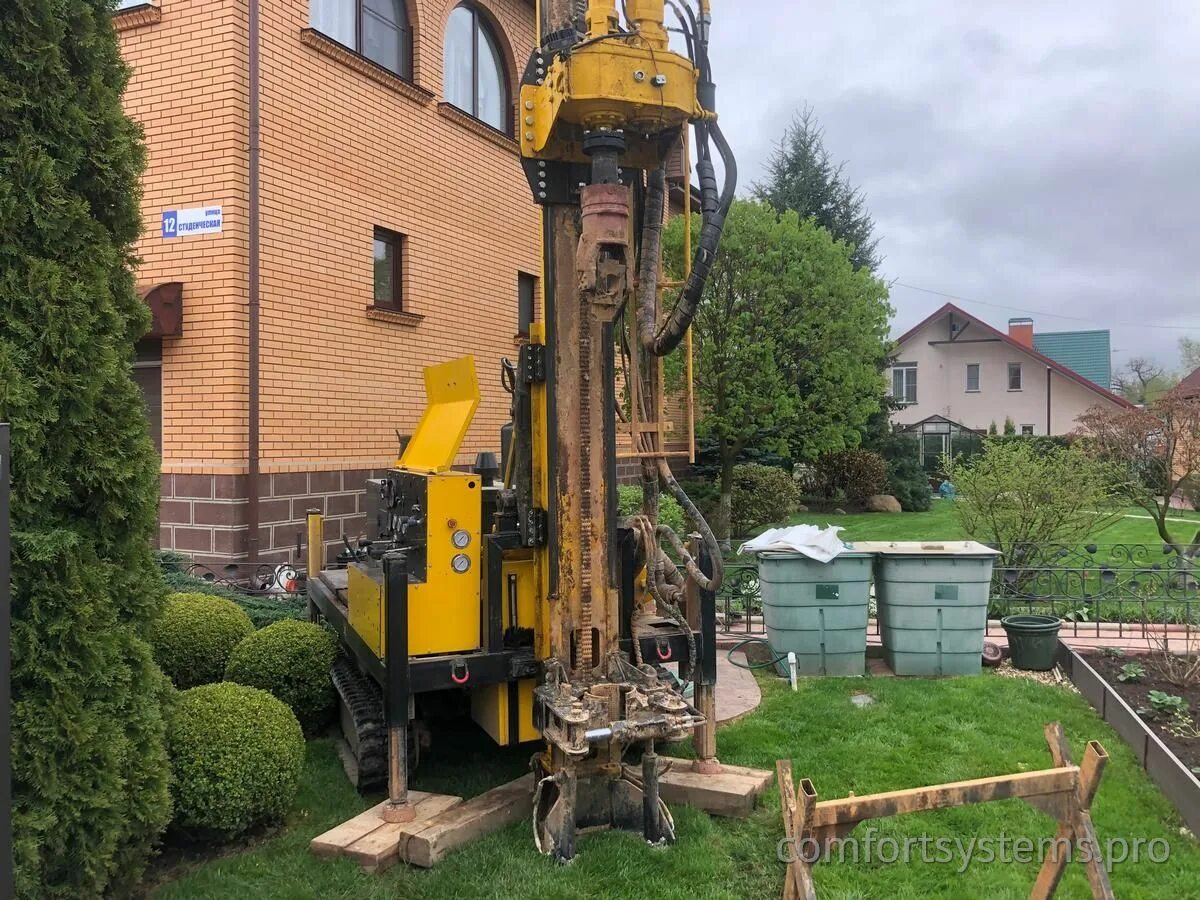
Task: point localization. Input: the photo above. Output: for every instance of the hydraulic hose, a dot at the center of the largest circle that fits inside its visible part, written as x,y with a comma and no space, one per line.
714,207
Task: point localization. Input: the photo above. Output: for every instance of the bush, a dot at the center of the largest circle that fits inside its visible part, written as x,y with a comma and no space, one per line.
854,474
195,635
262,610
1023,500
236,755
762,495
706,494
89,765
291,661
670,513
909,484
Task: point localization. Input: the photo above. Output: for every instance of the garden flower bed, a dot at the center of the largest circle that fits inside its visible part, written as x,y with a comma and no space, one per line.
1169,757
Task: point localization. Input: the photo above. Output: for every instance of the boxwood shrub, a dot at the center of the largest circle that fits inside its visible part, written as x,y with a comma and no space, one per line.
195,635
290,660
236,755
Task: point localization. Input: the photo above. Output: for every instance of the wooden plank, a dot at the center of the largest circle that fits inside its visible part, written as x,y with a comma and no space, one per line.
335,841
733,792
335,579
787,802
380,848
469,821
943,796
1055,863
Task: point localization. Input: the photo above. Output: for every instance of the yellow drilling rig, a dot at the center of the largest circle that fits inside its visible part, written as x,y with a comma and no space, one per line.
516,585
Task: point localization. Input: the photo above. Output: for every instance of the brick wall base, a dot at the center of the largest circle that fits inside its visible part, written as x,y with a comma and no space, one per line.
204,516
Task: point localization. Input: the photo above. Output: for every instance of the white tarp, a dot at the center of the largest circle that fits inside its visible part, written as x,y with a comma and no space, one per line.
821,544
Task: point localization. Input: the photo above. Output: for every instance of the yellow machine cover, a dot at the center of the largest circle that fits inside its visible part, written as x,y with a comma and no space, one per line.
451,398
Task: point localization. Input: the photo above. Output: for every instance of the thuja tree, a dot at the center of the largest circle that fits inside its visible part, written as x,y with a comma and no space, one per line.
90,772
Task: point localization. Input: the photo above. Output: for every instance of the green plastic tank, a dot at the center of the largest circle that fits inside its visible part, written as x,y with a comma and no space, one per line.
817,610
932,604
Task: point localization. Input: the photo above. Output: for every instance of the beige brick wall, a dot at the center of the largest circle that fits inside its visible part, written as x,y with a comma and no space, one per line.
188,91
344,148
342,153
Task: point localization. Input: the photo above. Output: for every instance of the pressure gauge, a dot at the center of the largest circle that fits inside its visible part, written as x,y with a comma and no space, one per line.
461,563
462,539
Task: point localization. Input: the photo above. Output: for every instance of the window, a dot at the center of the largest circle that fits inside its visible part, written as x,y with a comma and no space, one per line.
378,29
972,378
130,4
904,382
526,288
1026,429
389,269
1014,376
473,68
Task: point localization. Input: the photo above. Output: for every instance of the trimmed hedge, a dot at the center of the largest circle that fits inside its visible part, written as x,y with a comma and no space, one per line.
195,636
291,661
236,756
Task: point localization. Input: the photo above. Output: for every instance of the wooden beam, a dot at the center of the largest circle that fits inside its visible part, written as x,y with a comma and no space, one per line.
798,882
467,822
943,796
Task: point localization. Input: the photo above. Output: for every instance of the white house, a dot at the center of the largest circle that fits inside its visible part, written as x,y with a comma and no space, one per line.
954,372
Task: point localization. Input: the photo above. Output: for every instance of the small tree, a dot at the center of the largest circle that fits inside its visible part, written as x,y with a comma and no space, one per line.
992,430
1025,501
1157,451
1009,427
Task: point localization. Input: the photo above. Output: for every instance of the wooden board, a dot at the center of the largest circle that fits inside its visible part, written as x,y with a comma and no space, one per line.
335,579
374,842
466,822
733,792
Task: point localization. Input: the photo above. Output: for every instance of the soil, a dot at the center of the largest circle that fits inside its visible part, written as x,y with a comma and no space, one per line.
1137,695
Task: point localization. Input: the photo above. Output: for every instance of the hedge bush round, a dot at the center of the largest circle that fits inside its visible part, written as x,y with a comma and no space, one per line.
236,755
291,660
195,635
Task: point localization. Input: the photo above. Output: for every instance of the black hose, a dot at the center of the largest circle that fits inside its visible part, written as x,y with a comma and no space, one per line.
714,208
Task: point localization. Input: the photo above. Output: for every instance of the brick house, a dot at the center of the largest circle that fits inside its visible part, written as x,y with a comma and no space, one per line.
302,272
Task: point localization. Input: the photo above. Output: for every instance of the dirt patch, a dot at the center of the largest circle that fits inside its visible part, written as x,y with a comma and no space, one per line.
1137,695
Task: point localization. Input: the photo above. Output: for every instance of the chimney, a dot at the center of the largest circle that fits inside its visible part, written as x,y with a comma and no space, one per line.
1021,331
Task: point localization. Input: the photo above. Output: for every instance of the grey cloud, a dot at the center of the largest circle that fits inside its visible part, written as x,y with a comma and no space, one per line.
1041,155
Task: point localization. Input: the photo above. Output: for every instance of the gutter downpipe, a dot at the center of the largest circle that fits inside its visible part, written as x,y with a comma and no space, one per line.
252,448
1049,376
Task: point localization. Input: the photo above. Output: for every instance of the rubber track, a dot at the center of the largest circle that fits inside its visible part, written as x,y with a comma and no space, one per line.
363,698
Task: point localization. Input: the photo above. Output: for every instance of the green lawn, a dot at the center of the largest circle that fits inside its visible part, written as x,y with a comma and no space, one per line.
941,523
918,732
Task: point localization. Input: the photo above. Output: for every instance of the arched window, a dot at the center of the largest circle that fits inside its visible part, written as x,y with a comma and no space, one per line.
378,29
473,68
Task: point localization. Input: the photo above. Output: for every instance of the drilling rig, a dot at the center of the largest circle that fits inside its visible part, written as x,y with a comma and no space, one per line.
518,584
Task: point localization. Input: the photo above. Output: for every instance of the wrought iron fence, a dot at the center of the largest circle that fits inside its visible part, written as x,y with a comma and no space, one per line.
1097,589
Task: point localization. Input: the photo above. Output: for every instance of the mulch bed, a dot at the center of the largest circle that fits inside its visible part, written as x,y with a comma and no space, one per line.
1137,695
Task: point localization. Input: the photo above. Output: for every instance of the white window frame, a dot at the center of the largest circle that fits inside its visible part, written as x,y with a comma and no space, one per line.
978,377
1027,430
910,381
1016,367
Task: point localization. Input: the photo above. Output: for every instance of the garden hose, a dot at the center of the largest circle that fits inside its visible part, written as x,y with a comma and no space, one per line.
749,665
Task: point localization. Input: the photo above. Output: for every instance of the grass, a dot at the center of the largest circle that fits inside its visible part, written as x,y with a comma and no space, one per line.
941,523
918,732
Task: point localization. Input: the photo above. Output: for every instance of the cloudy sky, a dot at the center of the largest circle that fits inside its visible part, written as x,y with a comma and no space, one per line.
1042,158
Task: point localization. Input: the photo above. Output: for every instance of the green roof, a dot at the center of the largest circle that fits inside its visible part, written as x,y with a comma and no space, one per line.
1087,352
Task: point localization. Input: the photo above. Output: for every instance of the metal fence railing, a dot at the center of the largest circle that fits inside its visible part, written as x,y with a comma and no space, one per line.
1097,589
